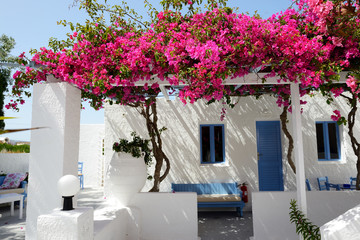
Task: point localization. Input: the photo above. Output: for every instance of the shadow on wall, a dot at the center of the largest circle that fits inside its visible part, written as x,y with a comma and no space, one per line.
182,143
338,171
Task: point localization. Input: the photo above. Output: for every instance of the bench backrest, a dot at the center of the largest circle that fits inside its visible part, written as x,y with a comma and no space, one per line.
206,188
22,184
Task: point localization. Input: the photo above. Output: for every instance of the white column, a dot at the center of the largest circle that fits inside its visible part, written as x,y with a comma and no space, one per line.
54,150
298,147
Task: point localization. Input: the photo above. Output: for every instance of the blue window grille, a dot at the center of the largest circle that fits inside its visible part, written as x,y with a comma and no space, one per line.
328,141
212,143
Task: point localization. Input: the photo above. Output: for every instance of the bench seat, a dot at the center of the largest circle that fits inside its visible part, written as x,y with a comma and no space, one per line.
218,198
214,194
13,190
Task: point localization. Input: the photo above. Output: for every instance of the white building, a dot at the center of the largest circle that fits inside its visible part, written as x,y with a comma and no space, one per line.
250,119
201,149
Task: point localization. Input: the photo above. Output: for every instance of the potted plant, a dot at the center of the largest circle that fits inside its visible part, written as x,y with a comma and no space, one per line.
138,147
127,170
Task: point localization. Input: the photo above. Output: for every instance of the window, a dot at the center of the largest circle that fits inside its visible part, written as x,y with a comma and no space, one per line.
328,142
212,143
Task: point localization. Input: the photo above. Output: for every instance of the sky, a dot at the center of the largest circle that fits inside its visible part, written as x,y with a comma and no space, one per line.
32,23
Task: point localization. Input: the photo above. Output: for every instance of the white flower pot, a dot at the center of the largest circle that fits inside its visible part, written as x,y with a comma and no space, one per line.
125,177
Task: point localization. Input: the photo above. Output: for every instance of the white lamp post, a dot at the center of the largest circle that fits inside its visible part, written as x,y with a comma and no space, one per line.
68,186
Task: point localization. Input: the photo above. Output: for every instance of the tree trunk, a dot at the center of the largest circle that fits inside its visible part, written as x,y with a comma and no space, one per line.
283,119
149,112
358,173
354,143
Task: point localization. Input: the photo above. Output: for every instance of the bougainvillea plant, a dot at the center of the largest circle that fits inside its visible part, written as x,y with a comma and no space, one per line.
107,59
200,50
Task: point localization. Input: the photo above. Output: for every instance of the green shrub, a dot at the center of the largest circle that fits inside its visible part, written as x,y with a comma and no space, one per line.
138,147
8,148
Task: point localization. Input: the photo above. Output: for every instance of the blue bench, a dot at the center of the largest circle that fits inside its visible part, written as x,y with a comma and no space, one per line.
214,194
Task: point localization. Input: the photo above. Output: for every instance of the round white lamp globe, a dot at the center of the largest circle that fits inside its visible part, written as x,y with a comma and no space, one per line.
68,185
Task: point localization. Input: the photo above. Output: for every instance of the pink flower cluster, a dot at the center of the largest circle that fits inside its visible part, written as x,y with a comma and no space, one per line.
351,82
336,115
202,50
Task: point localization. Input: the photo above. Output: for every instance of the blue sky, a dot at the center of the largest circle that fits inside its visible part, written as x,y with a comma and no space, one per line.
32,23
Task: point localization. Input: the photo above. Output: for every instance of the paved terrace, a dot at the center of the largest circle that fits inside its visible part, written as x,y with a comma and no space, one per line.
214,225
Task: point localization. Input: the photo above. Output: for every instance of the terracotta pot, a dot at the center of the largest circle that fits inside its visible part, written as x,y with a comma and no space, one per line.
125,177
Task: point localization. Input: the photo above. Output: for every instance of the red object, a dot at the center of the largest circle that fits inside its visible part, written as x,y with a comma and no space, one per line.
244,190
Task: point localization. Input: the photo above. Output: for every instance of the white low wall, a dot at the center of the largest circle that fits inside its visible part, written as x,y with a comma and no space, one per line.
111,224
165,216
346,226
271,211
150,216
14,162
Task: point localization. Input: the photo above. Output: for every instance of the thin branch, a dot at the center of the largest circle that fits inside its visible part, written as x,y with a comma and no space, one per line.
167,170
125,13
344,96
134,105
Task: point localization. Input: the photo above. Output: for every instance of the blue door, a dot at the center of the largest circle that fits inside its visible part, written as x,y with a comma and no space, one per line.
269,156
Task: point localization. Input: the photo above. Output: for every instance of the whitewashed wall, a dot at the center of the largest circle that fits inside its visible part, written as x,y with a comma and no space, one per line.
166,216
150,216
181,140
91,140
91,154
345,226
271,219
14,162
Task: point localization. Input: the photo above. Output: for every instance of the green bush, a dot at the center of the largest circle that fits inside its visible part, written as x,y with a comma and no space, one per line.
8,148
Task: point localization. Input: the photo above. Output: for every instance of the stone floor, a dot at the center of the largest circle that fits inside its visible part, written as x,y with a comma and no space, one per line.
11,227
212,225
224,225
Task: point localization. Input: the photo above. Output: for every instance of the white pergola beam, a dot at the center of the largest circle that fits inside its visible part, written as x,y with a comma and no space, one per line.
249,79
16,65
164,92
7,64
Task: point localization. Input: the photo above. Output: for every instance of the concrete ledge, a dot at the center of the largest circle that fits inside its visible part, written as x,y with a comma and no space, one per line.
271,219
346,226
110,223
76,224
150,216
167,216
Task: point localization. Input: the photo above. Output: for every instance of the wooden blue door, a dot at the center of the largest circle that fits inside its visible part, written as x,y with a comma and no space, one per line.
269,156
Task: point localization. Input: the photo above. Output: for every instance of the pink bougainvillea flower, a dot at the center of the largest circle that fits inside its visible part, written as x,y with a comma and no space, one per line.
351,83
337,115
202,51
